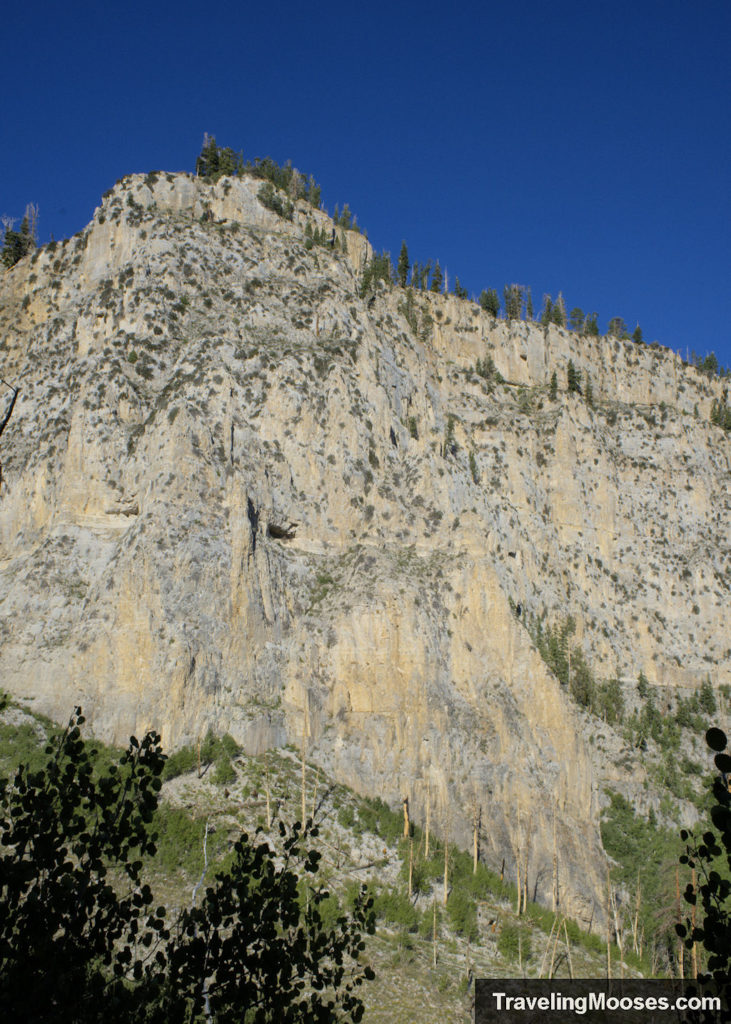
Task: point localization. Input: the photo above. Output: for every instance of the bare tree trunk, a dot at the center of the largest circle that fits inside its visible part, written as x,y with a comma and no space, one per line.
476,820
609,926
446,853
568,949
428,817
636,919
407,824
434,933
519,887
548,946
269,800
304,791
525,871
555,862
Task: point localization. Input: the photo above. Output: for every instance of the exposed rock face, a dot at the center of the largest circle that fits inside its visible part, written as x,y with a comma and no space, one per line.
237,495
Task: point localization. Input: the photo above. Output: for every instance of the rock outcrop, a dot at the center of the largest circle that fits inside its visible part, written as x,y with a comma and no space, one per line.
237,495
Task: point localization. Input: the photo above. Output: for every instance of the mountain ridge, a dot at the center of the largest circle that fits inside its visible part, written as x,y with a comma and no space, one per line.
240,494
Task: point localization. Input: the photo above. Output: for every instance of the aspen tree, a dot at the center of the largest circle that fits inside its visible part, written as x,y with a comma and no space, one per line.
407,824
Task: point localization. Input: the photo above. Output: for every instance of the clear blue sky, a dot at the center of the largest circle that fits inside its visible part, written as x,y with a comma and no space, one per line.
574,146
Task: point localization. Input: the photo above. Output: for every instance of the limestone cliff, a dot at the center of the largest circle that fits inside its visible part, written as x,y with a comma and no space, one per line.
238,495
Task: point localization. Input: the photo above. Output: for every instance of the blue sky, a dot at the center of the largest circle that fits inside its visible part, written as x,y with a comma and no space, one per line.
581,147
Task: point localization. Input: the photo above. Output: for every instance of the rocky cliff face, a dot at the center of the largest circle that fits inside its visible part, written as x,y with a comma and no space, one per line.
237,495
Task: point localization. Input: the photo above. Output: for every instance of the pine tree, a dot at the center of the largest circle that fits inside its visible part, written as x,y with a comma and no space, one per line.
17,244
617,327
402,269
572,379
558,313
437,279
588,392
637,335
547,312
314,193
459,291
513,297
577,319
528,304
490,302
591,325
553,390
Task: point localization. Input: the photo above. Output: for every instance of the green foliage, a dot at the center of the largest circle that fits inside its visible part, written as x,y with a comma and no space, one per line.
73,947
573,379
710,857
474,471
577,320
645,853
378,268
643,686
721,414
490,302
553,389
558,311
486,369
514,296
462,913
215,161
65,934
413,429
179,763
591,325
437,283
514,942
377,817
459,291
588,391
395,906
17,244
450,445
402,268
707,698
637,335
273,200
618,328
408,309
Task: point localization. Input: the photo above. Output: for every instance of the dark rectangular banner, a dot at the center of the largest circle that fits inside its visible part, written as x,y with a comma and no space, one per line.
598,1001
